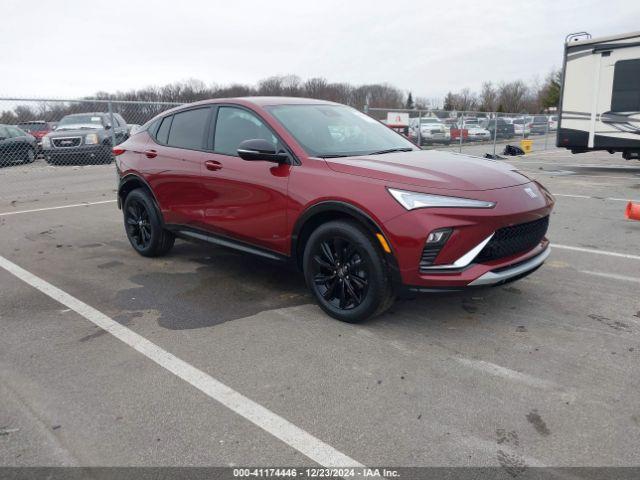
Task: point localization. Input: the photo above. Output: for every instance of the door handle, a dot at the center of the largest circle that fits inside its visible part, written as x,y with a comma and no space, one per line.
150,153
212,165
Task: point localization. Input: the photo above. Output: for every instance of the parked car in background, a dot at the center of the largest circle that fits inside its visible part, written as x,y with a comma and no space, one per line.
553,123
498,127
37,128
540,124
476,133
84,138
16,146
429,130
365,215
456,131
519,124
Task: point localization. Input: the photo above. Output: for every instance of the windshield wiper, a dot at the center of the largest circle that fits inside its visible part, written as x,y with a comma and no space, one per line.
392,150
334,155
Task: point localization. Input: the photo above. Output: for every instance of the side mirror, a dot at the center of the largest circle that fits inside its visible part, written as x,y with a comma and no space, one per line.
258,149
107,127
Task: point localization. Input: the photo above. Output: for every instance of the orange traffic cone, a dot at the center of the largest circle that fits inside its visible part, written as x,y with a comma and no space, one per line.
633,211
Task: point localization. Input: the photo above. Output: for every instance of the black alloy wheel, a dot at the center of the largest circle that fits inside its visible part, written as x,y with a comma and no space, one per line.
138,225
346,271
143,225
340,274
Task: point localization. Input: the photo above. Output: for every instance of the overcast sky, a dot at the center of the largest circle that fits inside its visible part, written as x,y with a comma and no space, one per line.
75,48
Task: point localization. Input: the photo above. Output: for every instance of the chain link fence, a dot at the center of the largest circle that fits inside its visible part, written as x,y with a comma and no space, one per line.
68,132
81,132
472,132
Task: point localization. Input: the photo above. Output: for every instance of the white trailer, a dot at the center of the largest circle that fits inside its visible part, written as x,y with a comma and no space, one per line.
600,94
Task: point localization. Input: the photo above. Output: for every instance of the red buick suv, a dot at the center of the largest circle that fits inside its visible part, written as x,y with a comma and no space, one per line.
364,213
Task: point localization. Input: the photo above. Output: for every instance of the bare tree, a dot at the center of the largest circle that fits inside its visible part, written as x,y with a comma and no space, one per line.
512,96
488,98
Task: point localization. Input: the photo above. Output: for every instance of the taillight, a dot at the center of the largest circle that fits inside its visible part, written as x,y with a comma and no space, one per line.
118,151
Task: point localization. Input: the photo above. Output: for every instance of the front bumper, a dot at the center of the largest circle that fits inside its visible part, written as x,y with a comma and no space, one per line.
452,268
71,154
512,272
491,278
479,137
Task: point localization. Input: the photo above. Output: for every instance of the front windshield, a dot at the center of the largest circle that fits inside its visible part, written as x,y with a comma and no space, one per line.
33,127
337,130
430,120
84,120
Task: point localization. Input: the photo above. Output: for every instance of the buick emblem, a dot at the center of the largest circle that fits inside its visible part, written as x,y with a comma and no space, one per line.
530,192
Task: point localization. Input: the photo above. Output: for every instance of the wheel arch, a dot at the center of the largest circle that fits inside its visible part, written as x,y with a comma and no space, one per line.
130,182
329,210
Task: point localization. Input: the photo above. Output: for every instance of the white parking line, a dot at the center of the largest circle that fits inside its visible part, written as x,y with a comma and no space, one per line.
613,199
4,214
504,372
597,252
304,442
612,276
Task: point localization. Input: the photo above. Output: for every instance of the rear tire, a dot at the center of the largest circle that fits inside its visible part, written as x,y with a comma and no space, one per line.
346,272
143,225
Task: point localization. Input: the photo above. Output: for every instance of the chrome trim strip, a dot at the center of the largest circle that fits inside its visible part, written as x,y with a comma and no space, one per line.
491,278
464,260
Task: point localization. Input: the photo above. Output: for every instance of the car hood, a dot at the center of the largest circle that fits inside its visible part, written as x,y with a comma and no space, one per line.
432,170
73,130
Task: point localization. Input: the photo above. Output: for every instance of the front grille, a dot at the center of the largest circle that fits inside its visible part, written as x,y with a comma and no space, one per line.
66,142
509,241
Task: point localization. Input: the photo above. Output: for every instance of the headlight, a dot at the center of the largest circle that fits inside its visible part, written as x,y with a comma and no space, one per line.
91,139
413,200
46,142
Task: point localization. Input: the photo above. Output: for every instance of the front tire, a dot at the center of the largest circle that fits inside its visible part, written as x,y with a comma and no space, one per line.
346,272
29,156
143,225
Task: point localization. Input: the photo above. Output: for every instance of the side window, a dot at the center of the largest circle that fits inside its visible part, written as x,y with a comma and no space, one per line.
235,125
626,87
163,132
187,129
4,133
152,127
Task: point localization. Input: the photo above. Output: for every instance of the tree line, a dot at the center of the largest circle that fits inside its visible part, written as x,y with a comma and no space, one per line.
376,95
511,97
505,97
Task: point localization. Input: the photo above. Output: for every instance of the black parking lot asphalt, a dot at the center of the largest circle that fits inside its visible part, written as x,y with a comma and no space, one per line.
545,371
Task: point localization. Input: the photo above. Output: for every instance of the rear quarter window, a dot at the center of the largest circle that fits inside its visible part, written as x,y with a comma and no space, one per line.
163,131
188,128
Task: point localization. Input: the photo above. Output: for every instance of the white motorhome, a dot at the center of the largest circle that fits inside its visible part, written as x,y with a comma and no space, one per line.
600,95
